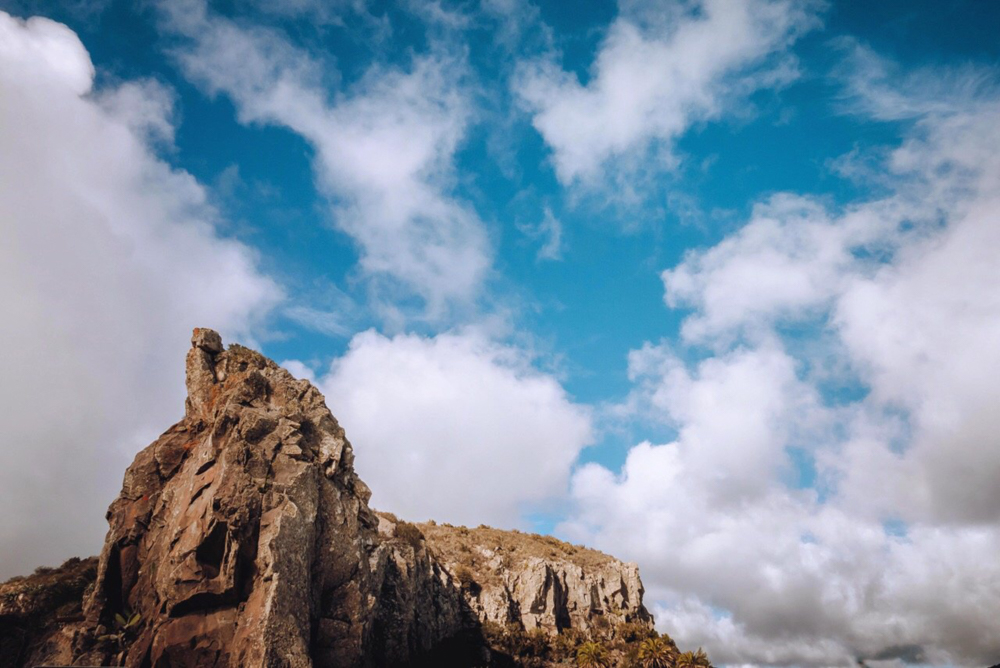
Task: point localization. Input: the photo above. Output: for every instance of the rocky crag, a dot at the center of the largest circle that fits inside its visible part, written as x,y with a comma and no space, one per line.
538,582
243,537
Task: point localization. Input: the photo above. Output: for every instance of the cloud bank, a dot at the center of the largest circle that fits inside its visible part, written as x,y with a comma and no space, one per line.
108,257
455,427
830,494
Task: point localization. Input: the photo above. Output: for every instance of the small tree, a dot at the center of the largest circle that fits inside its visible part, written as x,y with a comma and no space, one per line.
592,655
694,660
656,653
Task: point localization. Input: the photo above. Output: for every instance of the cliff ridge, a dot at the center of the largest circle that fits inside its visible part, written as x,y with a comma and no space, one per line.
242,536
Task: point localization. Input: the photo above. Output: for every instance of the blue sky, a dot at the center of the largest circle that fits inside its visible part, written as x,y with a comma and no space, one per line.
707,284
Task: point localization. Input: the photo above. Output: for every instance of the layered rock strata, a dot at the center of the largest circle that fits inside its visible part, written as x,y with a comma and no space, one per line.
243,537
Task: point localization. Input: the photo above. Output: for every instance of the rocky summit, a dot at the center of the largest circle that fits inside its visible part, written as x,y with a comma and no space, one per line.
243,537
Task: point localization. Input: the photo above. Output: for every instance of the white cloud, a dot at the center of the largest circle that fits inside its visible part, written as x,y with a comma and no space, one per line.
551,227
455,427
876,87
108,258
331,323
384,147
733,417
319,12
549,231
789,261
661,68
901,297
924,332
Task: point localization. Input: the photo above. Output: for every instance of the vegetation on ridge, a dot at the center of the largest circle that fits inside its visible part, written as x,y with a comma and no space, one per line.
626,645
474,555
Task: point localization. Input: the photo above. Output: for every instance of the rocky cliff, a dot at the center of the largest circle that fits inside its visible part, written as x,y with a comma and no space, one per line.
243,537
538,582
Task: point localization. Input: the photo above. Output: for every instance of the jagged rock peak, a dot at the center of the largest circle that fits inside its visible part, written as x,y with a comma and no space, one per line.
243,537
221,384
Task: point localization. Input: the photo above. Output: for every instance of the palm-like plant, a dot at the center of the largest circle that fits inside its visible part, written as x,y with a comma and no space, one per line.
125,627
592,655
656,653
686,660
693,660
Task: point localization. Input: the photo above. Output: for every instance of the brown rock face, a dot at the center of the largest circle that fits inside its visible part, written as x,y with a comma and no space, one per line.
539,582
242,537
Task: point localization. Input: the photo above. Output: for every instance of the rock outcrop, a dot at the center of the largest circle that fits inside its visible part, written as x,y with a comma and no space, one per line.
39,613
538,582
243,537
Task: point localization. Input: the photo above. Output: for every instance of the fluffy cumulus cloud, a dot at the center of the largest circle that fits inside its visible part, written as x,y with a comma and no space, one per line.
661,68
384,147
830,495
454,427
108,257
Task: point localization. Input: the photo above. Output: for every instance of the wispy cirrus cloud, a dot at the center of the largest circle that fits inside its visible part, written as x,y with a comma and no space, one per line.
873,86
384,146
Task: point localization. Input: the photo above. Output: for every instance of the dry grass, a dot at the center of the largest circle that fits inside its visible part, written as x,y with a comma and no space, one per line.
484,554
466,546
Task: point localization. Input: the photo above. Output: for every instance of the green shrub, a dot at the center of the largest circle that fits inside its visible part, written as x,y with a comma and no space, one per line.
536,643
409,533
633,632
564,645
467,580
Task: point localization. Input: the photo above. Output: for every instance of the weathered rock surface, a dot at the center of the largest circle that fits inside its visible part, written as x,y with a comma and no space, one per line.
38,613
243,537
538,581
